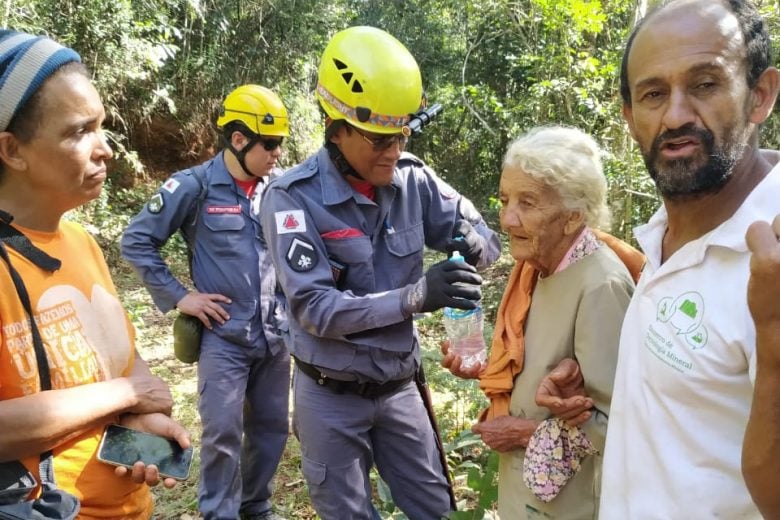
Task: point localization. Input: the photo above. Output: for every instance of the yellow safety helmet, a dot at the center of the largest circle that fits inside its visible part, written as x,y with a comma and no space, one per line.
370,79
258,108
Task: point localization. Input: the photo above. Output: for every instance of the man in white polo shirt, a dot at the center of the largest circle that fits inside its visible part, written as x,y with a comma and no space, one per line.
696,82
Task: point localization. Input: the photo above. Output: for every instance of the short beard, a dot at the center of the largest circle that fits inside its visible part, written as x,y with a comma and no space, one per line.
680,178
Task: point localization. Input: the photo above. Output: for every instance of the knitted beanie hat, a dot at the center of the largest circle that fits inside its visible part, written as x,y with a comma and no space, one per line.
26,61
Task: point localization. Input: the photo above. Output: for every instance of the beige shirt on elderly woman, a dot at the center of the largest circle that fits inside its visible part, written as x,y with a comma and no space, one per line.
574,313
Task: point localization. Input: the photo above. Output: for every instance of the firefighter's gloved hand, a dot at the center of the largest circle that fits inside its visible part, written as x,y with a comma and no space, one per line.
467,241
446,284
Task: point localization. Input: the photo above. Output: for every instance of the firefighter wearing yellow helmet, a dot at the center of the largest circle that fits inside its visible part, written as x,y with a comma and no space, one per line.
259,115
374,86
346,230
240,353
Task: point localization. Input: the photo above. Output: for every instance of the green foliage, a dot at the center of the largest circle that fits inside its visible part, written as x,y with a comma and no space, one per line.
498,67
482,481
124,50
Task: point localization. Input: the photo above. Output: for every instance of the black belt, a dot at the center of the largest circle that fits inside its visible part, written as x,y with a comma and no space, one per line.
368,389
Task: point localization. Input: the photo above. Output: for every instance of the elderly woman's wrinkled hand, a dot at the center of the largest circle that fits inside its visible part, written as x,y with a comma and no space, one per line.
453,362
506,433
562,391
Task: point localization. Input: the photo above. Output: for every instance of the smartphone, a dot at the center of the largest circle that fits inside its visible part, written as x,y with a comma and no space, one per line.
123,446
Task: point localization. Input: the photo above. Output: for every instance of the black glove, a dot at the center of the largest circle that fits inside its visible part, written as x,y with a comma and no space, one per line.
466,240
441,287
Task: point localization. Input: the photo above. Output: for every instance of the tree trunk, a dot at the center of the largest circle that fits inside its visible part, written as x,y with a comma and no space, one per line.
640,11
6,14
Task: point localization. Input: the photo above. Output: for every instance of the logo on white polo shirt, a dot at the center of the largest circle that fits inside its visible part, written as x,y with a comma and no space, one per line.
678,324
685,314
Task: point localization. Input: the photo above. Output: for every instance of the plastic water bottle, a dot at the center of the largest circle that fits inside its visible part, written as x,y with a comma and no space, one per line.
464,330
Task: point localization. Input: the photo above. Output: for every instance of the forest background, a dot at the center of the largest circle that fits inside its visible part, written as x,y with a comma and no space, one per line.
498,67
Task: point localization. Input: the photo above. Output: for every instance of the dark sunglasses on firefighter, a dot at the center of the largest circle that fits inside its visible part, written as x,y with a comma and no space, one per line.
380,144
270,143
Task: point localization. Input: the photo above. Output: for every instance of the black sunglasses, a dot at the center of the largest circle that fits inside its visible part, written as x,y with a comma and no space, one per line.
381,144
270,144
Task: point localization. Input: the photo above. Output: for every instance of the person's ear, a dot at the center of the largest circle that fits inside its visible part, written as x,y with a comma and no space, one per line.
575,222
764,94
9,152
339,135
238,140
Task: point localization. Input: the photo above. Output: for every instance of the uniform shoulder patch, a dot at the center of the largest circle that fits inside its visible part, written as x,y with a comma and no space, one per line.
301,256
170,185
290,221
156,203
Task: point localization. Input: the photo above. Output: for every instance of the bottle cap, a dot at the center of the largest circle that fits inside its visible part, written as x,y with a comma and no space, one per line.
457,257
458,314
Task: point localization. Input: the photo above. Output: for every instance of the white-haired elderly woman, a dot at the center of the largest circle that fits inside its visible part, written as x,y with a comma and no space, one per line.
564,301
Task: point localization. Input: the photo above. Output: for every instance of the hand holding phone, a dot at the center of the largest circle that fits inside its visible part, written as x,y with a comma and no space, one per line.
123,446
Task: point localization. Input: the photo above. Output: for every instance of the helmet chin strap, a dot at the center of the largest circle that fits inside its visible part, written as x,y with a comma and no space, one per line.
331,127
241,154
340,162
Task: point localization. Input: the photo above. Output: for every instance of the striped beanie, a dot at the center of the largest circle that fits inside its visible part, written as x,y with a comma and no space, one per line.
26,61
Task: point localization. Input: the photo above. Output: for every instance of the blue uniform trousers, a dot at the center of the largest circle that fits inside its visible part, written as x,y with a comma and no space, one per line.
343,435
243,406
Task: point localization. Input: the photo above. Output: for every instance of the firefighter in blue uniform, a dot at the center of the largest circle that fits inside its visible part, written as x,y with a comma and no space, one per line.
244,367
346,230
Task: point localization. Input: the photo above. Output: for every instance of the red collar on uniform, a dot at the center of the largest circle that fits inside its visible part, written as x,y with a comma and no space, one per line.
362,187
248,186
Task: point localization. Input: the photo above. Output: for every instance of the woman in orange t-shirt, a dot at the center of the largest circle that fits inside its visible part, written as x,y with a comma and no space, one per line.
52,159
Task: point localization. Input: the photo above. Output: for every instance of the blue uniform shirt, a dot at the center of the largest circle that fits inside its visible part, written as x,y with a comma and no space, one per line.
228,256
343,261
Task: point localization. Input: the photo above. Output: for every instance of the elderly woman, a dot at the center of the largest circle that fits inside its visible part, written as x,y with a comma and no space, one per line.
53,155
565,299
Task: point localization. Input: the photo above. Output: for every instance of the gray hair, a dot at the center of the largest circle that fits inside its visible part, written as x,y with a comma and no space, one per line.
568,161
